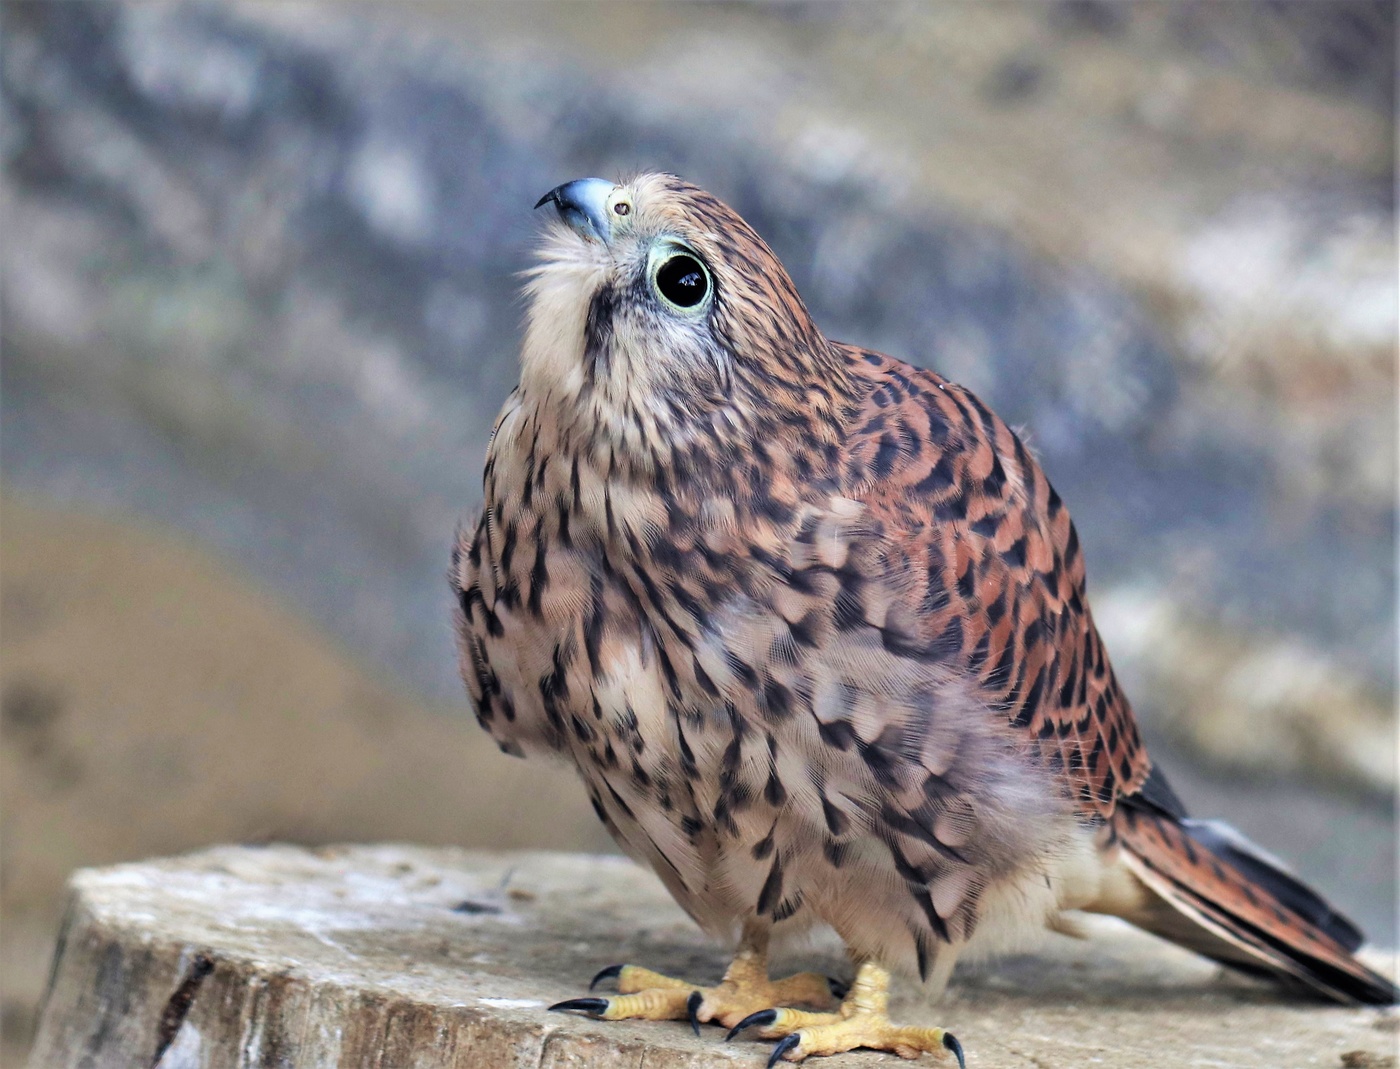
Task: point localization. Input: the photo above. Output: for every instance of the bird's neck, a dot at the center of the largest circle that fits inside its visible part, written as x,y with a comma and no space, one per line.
756,462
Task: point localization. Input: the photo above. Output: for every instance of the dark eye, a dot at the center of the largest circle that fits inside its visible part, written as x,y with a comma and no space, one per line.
682,281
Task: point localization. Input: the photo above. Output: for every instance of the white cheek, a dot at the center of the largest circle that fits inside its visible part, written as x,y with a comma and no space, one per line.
659,361
559,293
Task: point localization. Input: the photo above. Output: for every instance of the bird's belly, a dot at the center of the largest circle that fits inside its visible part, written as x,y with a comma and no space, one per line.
680,783
746,806
583,678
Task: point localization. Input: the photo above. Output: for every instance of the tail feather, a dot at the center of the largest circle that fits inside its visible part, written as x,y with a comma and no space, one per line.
1216,893
1268,872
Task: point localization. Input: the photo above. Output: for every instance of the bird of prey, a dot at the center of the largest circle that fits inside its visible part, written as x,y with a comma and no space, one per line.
812,625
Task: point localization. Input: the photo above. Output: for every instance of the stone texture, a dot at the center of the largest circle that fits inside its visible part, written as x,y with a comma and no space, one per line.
409,957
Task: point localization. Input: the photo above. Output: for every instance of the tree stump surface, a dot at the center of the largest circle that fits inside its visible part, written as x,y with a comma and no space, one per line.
402,957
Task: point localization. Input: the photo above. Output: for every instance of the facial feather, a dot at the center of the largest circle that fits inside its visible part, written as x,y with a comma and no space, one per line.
614,360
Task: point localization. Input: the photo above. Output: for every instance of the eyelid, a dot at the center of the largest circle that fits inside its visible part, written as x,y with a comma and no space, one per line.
670,246
667,247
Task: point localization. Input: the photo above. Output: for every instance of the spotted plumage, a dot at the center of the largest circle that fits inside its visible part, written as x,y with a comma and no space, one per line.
812,622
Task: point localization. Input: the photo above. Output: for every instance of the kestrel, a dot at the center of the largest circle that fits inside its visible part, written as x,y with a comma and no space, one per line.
812,625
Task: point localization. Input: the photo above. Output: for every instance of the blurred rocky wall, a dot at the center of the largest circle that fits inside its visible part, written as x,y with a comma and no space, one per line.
261,262
259,273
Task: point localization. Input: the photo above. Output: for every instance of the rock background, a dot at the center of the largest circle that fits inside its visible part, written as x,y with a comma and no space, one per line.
259,287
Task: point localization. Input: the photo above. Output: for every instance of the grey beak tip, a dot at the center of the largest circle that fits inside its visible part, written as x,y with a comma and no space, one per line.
582,204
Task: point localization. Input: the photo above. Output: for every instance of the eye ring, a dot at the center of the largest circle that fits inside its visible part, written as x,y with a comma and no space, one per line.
682,281
620,202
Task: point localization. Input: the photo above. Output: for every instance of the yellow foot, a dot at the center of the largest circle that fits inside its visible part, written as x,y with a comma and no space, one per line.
861,1021
651,996
744,989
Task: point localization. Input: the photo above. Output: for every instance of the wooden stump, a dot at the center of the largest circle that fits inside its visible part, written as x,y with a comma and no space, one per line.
395,956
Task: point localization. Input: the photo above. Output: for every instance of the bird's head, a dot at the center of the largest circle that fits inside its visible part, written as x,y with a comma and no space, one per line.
658,317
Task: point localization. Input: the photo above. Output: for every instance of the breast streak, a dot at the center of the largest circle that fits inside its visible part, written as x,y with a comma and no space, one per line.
562,634
835,780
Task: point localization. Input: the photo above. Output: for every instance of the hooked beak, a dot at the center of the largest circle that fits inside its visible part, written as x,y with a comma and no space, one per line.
583,204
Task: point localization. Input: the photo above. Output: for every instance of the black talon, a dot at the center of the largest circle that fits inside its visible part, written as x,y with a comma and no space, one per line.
606,974
692,1010
762,1017
838,989
951,1042
590,1006
784,1045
